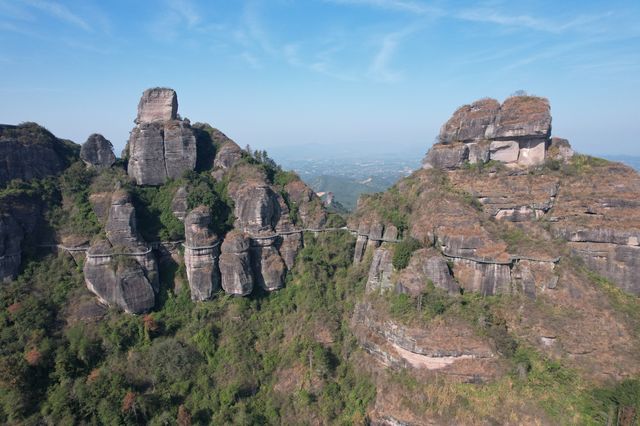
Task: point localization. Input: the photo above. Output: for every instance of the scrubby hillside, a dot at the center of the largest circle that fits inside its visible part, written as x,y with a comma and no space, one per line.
193,282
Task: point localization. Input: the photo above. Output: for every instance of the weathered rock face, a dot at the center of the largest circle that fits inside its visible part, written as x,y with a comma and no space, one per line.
560,150
598,213
452,350
516,197
256,207
11,236
515,133
124,284
268,267
228,154
470,122
451,156
161,146
157,104
380,272
122,271
426,265
29,151
201,254
97,152
521,117
310,210
235,264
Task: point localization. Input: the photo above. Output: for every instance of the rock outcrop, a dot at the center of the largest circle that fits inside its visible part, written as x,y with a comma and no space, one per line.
201,251
516,133
598,213
157,104
122,270
29,151
11,236
426,266
235,264
161,146
97,152
450,349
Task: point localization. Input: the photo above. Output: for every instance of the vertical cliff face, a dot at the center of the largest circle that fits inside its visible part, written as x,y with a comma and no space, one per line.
235,264
122,270
161,146
201,251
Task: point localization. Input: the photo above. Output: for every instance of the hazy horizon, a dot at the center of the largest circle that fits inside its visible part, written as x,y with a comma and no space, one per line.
373,75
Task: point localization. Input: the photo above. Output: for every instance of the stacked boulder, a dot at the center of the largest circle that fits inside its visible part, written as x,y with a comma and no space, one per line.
516,133
121,270
258,212
161,146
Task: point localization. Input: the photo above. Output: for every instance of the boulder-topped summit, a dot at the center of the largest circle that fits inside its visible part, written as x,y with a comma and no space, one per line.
161,146
97,152
157,104
516,133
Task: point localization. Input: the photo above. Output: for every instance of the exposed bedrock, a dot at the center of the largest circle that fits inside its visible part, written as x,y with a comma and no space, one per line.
599,215
268,267
426,265
235,264
97,152
450,349
201,254
29,151
157,104
11,236
122,270
179,204
228,154
161,146
516,133
380,271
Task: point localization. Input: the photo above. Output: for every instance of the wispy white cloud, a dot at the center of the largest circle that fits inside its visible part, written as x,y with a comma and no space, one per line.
413,7
381,68
60,12
491,16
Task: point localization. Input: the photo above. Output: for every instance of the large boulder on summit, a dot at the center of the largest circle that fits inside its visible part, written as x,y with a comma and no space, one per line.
522,117
97,152
11,236
122,270
470,122
515,133
29,151
157,104
201,250
235,264
161,146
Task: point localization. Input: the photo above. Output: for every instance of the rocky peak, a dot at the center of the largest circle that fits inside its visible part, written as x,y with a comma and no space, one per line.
515,133
157,104
97,152
29,151
161,146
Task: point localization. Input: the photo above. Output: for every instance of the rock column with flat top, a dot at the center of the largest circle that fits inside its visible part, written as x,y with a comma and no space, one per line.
161,146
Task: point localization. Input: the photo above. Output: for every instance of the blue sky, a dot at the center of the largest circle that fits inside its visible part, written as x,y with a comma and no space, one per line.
375,75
